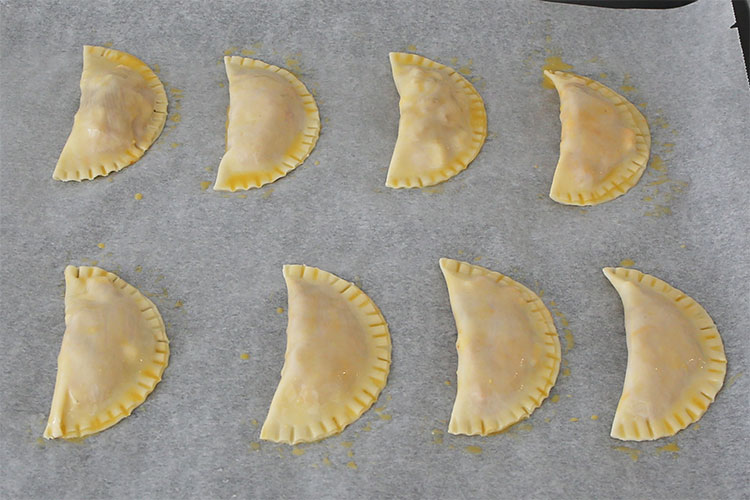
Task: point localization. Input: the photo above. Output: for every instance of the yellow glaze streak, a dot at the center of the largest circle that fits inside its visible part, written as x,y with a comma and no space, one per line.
676,361
508,349
113,353
604,145
122,111
443,122
337,358
272,124
553,63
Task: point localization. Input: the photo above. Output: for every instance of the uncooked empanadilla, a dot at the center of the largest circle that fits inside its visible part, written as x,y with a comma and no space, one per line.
122,111
508,349
337,359
113,353
272,124
443,122
604,143
676,361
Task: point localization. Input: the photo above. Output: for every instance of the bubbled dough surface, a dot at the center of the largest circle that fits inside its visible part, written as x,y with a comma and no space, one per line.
434,125
116,107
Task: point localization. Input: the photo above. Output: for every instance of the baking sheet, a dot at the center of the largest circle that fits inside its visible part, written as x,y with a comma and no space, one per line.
212,262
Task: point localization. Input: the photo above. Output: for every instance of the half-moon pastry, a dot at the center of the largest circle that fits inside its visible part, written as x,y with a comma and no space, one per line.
122,111
508,349
272,124
337,359
604,144
443,122
676,361
113,353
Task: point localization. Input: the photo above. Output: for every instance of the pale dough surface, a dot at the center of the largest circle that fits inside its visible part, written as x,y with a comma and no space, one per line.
337,359
676,361
113,353
508,349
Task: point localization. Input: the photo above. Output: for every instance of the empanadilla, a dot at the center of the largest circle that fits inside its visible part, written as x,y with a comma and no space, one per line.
337,359
508,349
113,353
604,144
443,122
272,124
122,111
676,361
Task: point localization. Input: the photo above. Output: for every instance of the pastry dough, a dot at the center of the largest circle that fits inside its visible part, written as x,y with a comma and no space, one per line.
122,112
443,122
604,145
337,359
508,349
272,124
113,353
676,361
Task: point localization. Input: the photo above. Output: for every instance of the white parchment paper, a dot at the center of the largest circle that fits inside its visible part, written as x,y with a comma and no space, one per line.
212,262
